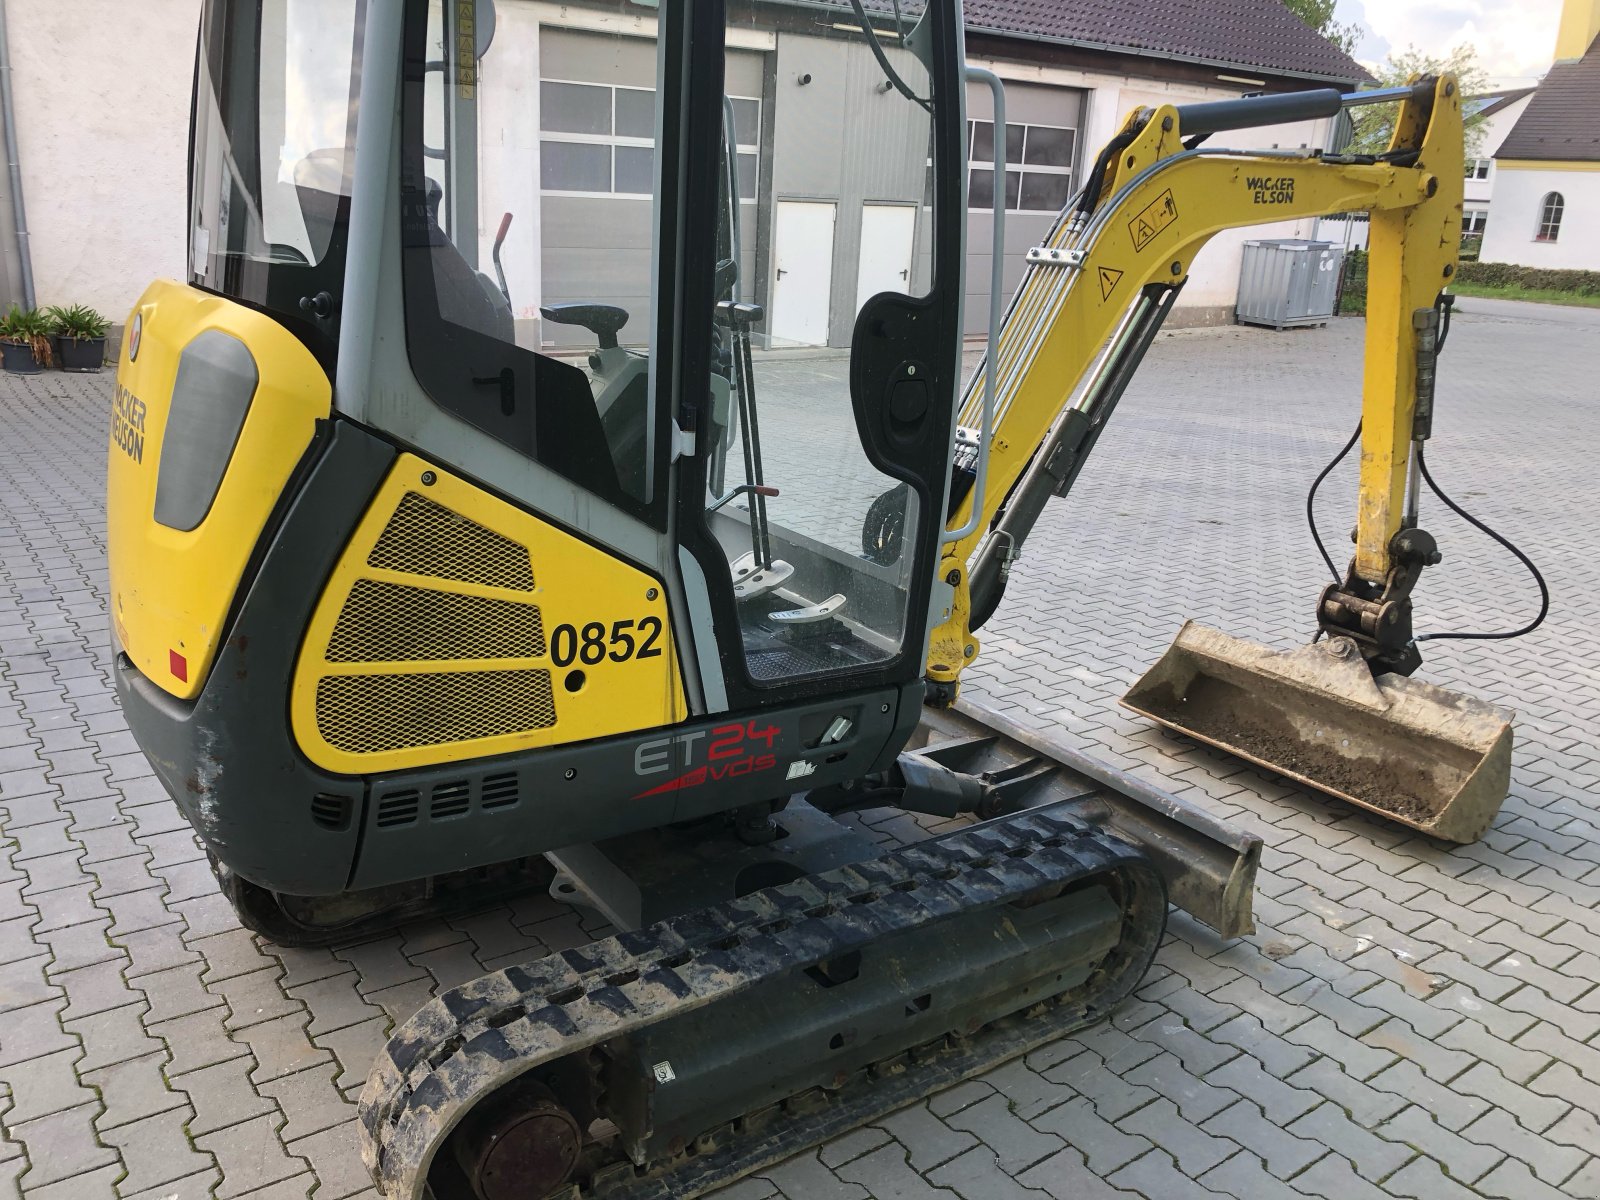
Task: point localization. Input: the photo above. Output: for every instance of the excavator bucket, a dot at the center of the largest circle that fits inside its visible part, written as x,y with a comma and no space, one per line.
1415,753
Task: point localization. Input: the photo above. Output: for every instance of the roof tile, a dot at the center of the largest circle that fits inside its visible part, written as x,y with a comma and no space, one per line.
1251,35
1562,121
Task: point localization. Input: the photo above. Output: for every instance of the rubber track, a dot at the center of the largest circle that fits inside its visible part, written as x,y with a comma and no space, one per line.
473,1040
260,911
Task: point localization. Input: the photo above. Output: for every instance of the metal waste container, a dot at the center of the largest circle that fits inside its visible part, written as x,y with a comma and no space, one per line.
1286,282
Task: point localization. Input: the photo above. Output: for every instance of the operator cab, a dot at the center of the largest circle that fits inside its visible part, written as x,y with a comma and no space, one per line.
558,201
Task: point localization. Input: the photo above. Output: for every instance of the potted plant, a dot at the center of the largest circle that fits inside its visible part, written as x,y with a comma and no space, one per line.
79,336
24,341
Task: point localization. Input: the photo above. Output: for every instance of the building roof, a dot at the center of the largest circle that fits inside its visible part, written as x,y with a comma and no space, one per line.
1490,103
1560,122
1253,36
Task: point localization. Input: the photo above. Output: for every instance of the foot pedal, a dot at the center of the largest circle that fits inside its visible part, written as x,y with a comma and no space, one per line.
811,614
751,580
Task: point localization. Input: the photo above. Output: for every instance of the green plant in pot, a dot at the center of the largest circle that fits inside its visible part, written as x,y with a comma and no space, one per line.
79,334
25,340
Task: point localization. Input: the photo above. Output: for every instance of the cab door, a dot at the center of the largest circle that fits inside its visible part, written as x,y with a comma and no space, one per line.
814,500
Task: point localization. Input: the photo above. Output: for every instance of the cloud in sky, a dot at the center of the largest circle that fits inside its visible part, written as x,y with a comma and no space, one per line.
1515,39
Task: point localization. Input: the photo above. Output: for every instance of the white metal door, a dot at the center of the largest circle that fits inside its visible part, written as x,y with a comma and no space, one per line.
804,276
887,231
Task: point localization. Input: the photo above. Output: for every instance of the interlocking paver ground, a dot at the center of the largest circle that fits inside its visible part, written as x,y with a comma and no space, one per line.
1409,1020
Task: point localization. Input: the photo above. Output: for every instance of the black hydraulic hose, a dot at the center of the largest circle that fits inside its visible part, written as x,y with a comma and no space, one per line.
1427,477
1311,499
1446,307
876,47
1544,588
1090,196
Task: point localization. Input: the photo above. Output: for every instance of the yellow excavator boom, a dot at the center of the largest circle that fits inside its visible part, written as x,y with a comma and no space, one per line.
1104,278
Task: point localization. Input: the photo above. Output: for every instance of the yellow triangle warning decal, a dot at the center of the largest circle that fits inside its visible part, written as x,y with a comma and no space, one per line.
1108,281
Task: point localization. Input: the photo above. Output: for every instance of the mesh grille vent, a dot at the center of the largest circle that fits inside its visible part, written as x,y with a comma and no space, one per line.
449,800
330,812
368,714
499,791
390,622
397,808
424,538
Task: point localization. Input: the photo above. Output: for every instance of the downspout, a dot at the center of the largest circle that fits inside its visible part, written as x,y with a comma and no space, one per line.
14,166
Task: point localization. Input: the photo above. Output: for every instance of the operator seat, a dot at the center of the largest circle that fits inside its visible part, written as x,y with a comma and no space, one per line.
624,400
466,296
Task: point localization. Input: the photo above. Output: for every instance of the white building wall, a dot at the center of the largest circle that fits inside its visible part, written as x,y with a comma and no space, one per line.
102,96
1519,194
1479,192
103,114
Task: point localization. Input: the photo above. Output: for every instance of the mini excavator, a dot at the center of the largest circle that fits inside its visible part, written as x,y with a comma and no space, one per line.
415,604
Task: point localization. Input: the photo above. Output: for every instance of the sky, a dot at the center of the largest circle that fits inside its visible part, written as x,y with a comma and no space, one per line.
1515,39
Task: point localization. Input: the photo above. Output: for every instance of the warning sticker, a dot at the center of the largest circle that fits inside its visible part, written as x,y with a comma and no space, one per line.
1108,281
1158,214
467,48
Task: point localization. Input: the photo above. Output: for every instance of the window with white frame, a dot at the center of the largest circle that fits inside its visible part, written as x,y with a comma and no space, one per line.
1473,220
1550,210
1039,162
599,140
1478,168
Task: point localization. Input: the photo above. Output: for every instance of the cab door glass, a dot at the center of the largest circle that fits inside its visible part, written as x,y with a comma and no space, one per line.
826,202
273,147
529,233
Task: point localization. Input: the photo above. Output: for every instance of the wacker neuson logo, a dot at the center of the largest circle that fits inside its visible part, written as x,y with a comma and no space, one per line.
127,423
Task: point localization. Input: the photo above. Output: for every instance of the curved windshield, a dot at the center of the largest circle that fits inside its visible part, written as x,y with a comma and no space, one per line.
276,92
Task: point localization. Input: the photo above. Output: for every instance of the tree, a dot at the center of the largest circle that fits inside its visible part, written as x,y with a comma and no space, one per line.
1319,15
1374,123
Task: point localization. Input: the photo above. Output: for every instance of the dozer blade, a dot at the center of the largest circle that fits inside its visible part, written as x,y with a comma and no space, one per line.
1415,753
1209,866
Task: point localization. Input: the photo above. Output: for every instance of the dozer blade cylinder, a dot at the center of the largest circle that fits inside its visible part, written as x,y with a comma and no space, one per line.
1418,754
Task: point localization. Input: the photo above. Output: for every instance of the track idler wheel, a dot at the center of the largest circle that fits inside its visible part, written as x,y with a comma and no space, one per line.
520,1145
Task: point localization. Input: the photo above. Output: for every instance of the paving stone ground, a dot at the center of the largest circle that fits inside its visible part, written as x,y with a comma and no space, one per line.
1410,1019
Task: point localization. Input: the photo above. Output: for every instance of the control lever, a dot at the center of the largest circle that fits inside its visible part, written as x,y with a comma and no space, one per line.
744,489
500,240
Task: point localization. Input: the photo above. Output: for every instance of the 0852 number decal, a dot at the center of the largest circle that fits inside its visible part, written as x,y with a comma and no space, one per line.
592,644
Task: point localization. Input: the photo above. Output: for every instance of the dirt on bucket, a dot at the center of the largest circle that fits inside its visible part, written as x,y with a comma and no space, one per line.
1253,726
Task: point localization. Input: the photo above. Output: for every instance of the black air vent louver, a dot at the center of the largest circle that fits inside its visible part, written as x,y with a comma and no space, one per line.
331,812
397,808
449,800
500,791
